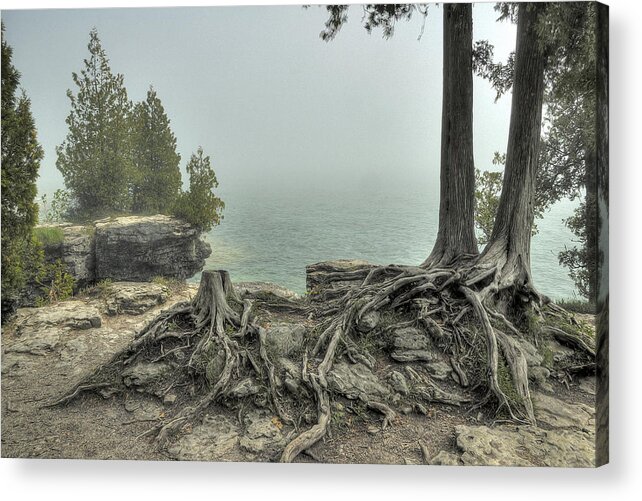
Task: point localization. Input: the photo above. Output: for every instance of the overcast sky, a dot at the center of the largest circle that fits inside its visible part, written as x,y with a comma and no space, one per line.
272,104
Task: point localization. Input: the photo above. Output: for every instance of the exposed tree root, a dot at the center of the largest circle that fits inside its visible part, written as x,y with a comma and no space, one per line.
465,312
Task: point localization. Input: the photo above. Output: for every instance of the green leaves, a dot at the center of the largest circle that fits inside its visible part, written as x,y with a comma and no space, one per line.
488,188
21,155
121,158
199,206
157,177
95,158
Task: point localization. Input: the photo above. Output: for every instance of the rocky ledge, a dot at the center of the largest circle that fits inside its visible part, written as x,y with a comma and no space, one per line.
132,248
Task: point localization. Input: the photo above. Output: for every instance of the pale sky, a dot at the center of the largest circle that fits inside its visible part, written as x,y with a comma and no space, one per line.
269,101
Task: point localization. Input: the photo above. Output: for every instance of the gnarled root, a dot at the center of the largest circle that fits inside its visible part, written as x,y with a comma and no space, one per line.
215,341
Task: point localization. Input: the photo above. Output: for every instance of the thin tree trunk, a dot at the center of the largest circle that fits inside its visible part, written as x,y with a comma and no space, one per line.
591,215
456,235
509,245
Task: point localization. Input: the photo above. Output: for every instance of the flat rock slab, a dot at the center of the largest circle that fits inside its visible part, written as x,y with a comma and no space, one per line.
284,339
262,434
216,439
144,376
134,298
263,290
556,413
67,314
356,381
523,446
38,342
412,345
569,443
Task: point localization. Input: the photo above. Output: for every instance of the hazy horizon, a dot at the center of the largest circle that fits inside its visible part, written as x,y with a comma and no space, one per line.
274,106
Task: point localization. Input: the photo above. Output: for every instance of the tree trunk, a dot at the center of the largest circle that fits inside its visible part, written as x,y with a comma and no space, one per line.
591,215
456,234
509,245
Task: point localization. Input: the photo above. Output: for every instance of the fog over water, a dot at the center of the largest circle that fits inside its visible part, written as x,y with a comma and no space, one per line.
322,150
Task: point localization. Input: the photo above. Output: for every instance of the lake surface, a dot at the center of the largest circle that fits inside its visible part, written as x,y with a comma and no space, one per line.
272,237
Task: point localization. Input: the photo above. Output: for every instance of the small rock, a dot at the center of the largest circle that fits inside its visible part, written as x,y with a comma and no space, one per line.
445,458
169,399
587,385
421,409
35,342
410,338
289,367
411,345
373,430
292,386
285,339
263,433
399,383
532,356
368,322
439,369
144,375
539,374
356,381
245,388
214,440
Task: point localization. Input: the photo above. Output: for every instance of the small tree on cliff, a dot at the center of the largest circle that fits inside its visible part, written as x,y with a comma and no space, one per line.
95,158
199,206
157,176
21,155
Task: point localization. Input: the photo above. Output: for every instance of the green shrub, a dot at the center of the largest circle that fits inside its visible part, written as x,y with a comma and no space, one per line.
199,206
55,283
577,306
173,284
56,211
48,235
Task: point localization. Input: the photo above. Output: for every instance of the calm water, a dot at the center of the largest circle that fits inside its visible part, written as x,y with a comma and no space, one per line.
272,238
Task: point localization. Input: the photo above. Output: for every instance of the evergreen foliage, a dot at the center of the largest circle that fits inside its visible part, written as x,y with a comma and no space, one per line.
21,155
157,176
566,167
199,206
95,158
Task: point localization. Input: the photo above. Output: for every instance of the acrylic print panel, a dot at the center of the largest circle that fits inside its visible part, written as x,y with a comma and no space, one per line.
256,243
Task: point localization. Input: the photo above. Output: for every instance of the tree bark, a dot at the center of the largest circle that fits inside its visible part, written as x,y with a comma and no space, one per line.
509,245
591,215
456,234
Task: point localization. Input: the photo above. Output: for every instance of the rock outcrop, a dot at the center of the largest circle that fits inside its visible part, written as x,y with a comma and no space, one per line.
130,248
76,250
139,248
567,439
